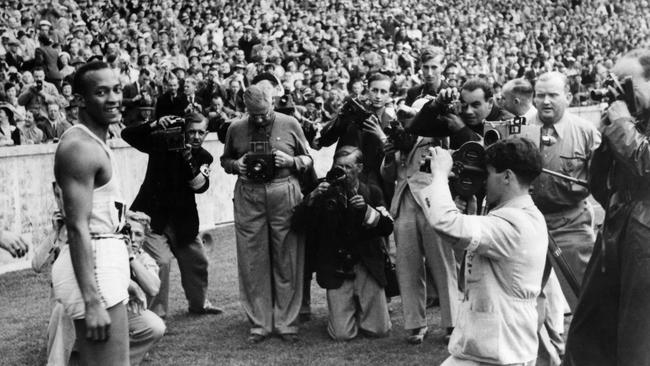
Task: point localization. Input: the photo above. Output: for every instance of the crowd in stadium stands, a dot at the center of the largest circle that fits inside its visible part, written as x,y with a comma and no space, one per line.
319,51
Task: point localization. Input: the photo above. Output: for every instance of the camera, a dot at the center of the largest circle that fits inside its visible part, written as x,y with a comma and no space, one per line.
336,196
613,89
260,162
516,127
470,172
353,110
402,140
39,85
171,138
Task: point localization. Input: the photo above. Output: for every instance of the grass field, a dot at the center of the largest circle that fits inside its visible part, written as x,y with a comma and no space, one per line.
213,339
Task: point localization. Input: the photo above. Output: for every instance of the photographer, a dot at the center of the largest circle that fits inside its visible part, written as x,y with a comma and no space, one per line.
267,150
460,117
174,175
419,248
36,97
349,222
610,325
364,129
505,255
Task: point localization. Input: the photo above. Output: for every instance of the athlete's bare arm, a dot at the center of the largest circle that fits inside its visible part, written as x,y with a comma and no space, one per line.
81,165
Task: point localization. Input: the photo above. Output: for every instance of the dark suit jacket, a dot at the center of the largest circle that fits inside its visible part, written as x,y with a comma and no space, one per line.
420,91
131,108
166,105
331,230
165,194
48,58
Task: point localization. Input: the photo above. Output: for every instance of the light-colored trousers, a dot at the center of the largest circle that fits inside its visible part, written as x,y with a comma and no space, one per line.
270,256
417,243
358,304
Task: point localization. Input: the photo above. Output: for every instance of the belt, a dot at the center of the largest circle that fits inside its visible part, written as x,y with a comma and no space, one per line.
274,180
99,236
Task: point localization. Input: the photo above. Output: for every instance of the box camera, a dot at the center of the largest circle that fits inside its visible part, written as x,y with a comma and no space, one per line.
260,162
171,138
516,127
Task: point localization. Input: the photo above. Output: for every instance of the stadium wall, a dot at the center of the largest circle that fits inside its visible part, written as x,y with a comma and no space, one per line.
27,202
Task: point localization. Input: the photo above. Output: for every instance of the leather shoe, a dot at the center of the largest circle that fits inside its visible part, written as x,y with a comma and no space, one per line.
289,337
417,335
256,338
207,309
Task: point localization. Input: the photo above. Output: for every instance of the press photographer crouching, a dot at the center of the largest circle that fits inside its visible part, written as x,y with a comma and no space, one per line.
349,221
178,168
267,150
501,274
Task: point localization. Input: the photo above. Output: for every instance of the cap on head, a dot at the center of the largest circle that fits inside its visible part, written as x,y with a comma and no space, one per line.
257,99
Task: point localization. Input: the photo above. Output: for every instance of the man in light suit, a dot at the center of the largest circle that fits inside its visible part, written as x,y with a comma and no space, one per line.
418,244
505,256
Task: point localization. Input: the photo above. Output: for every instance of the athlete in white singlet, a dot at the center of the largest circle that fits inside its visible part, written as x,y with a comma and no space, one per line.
91,276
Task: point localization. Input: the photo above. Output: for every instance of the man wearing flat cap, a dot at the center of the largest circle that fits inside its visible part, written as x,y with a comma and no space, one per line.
267,150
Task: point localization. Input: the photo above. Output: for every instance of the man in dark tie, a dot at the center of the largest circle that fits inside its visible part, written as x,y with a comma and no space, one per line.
135,95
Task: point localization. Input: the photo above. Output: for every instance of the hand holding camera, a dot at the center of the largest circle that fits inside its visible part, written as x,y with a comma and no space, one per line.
440,161
618,110
282,159
321,189
371,125
357,202
240,165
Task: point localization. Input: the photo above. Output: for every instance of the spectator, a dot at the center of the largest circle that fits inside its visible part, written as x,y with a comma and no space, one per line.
30,133
54,124
38,94
9,133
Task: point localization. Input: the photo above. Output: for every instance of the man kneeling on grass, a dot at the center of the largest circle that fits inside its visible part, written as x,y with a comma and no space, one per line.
348,220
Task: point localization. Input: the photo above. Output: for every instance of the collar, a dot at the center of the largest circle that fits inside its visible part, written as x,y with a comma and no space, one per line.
520,202
558,126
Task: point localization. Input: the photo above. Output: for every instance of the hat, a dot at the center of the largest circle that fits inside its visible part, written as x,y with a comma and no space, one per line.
13,41
248,27
43,23
266,76
257,96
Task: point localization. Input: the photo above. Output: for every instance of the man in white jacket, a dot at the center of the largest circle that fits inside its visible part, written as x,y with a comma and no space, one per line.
505,256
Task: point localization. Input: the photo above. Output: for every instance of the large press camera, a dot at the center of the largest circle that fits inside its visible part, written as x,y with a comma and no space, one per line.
469,171
171,138
355,111
494,131
260,162
397,135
